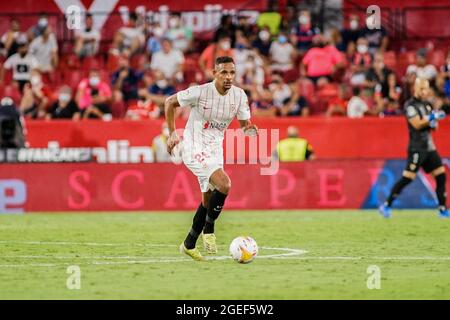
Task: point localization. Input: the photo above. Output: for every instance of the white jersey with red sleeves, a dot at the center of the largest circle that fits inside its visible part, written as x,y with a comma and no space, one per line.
211,113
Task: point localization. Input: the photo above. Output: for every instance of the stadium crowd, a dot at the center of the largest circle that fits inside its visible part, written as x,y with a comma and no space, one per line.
286,64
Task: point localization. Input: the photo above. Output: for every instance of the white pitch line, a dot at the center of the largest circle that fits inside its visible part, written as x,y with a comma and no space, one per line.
288,252
65,243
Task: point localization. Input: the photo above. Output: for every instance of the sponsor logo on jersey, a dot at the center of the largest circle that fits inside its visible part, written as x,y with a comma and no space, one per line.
215,125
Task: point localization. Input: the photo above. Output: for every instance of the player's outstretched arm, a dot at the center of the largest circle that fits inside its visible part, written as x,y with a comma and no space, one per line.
169,108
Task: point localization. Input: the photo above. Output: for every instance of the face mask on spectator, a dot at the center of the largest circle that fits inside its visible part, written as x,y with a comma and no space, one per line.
225,45
264,35
362,48
158,32
303,19
354,24
282,39
94,81
173,22
249,65
161,83
64,97
42,22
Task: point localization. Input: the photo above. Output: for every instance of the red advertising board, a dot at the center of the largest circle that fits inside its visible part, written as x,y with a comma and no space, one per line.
115,187
331,138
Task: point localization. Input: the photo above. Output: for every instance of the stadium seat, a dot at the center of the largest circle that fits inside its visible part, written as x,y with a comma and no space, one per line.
324,96
390,59
306,89
13,92
89,63
138,62
436,58
112,63
73,77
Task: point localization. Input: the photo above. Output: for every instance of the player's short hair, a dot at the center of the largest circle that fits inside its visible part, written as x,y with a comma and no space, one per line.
223,59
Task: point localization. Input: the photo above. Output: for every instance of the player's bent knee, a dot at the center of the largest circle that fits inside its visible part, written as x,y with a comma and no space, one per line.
438,171
409,174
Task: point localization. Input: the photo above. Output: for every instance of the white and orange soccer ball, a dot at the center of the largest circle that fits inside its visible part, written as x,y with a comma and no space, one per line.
243,249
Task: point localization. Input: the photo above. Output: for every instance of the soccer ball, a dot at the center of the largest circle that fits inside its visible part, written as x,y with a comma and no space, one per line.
243,249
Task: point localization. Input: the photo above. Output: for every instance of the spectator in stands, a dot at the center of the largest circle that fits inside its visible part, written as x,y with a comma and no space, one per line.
421,68
159,145
263,42
293,148
361,61
442,102
289,21
94,96
443,79
39,28
351,34
303,33
12,132
281,92
128,39
377,74
338,106
271,18
220,48
35,98
45,49
253,73
244,26
169,61
408,86
445,69
282,54
87,40
125,81
391,108
180,35
262,104
156,35
158,90
143,109
9,39
21,64
357,107
227,28
377,37
286,98
320,61
241,53
393,89
65,107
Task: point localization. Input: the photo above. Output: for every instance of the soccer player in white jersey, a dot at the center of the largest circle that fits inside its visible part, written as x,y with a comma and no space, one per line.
213,106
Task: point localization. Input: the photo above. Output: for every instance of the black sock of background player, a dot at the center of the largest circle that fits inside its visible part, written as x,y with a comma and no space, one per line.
440,191
214,208
398,187
197,226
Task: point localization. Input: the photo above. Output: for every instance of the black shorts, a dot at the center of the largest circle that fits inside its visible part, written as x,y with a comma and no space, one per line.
428,160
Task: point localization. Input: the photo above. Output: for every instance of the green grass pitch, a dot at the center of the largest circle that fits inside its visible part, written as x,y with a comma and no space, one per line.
135,256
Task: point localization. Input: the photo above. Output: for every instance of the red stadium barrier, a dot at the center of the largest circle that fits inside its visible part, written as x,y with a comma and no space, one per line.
331,138
129,187
96,187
